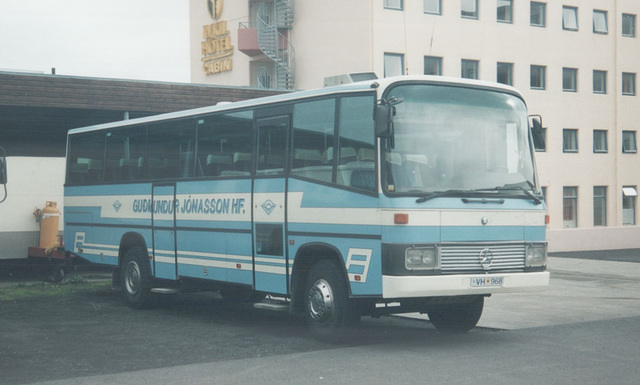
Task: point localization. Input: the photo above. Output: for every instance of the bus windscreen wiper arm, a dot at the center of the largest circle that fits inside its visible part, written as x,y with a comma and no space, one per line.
528,193
445,193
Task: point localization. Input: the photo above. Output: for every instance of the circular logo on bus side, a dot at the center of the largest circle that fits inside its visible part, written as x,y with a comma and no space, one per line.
486,259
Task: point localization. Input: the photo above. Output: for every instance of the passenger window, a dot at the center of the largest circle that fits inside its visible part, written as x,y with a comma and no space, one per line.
86,158
272,145
313,137
356,143
225,144
124,160
171,149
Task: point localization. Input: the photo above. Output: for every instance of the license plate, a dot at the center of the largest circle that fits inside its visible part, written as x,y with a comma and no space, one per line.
487,281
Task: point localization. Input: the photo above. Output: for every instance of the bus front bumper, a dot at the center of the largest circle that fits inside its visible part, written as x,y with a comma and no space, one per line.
454,285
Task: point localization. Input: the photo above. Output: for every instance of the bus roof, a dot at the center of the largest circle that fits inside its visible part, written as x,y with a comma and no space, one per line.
364,86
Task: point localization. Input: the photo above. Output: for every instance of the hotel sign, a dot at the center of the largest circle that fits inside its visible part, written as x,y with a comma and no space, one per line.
216,49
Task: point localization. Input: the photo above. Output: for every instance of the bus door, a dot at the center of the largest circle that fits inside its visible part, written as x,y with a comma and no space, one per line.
269,190
163,219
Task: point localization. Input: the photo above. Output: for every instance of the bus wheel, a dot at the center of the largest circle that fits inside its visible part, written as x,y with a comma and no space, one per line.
136,278
457,317
328,311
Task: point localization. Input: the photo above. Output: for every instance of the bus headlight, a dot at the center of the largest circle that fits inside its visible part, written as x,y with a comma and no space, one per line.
536,255
422,258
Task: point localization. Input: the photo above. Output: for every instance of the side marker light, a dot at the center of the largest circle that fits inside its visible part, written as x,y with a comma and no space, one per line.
401,218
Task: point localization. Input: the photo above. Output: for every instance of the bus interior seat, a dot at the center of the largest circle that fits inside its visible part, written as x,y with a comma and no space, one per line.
131,169
363,179
397,177
217,163
242,161
417,170
366,155
348,154
78,172
303,157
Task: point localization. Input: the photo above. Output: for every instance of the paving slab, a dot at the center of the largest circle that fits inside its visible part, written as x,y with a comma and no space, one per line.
580,290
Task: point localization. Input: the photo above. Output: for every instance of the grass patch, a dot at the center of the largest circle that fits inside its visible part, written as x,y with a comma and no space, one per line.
42,289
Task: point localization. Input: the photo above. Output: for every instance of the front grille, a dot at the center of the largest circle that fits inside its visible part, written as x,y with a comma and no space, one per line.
465,258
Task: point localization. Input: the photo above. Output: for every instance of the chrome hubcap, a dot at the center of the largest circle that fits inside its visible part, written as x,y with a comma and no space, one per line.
132,278
321,301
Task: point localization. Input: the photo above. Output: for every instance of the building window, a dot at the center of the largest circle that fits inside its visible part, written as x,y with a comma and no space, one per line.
628,25
629,142
570,79
538,14
569,18
628,83
538,77
599,82
432,65
469,69
569,140
393,64
600,205
469,9
393,4
600,22
629,194
504,73
600,141
505,11
433,6
570,207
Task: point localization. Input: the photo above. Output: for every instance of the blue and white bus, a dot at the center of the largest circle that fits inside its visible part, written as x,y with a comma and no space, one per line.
408,194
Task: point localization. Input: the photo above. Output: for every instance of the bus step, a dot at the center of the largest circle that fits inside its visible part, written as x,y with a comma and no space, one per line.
272,305
164,290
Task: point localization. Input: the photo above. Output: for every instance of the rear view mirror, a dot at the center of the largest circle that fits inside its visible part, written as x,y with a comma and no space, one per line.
382,117
3,166
537,132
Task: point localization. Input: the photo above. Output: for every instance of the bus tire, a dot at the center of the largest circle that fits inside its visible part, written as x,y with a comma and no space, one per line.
457,317
328,311
136,278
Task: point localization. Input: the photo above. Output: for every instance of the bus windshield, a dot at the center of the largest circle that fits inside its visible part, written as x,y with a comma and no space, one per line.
457,139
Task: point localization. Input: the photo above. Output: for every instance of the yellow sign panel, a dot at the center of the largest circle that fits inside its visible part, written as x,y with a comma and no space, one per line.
216,49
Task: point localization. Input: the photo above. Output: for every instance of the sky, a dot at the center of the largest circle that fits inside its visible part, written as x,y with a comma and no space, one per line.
124,39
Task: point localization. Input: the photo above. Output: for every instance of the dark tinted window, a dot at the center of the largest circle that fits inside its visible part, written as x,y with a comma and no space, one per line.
225,144
171,149
85,161
125,153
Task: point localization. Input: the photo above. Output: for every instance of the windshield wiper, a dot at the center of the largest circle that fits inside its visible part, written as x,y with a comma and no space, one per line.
445,193
452,193
528,193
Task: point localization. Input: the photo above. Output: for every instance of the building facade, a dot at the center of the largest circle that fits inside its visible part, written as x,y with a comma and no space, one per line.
576,62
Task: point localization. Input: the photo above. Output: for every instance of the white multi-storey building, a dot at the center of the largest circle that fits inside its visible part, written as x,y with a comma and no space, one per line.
576,62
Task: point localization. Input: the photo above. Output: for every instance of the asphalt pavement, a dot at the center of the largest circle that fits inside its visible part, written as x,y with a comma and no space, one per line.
593,298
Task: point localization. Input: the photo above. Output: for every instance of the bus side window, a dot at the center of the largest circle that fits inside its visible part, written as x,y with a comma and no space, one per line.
125,154
225,144
356,139
272,147
85,159
172,144
313,137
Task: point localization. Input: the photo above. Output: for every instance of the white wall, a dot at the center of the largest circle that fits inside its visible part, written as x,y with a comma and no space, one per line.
32,182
